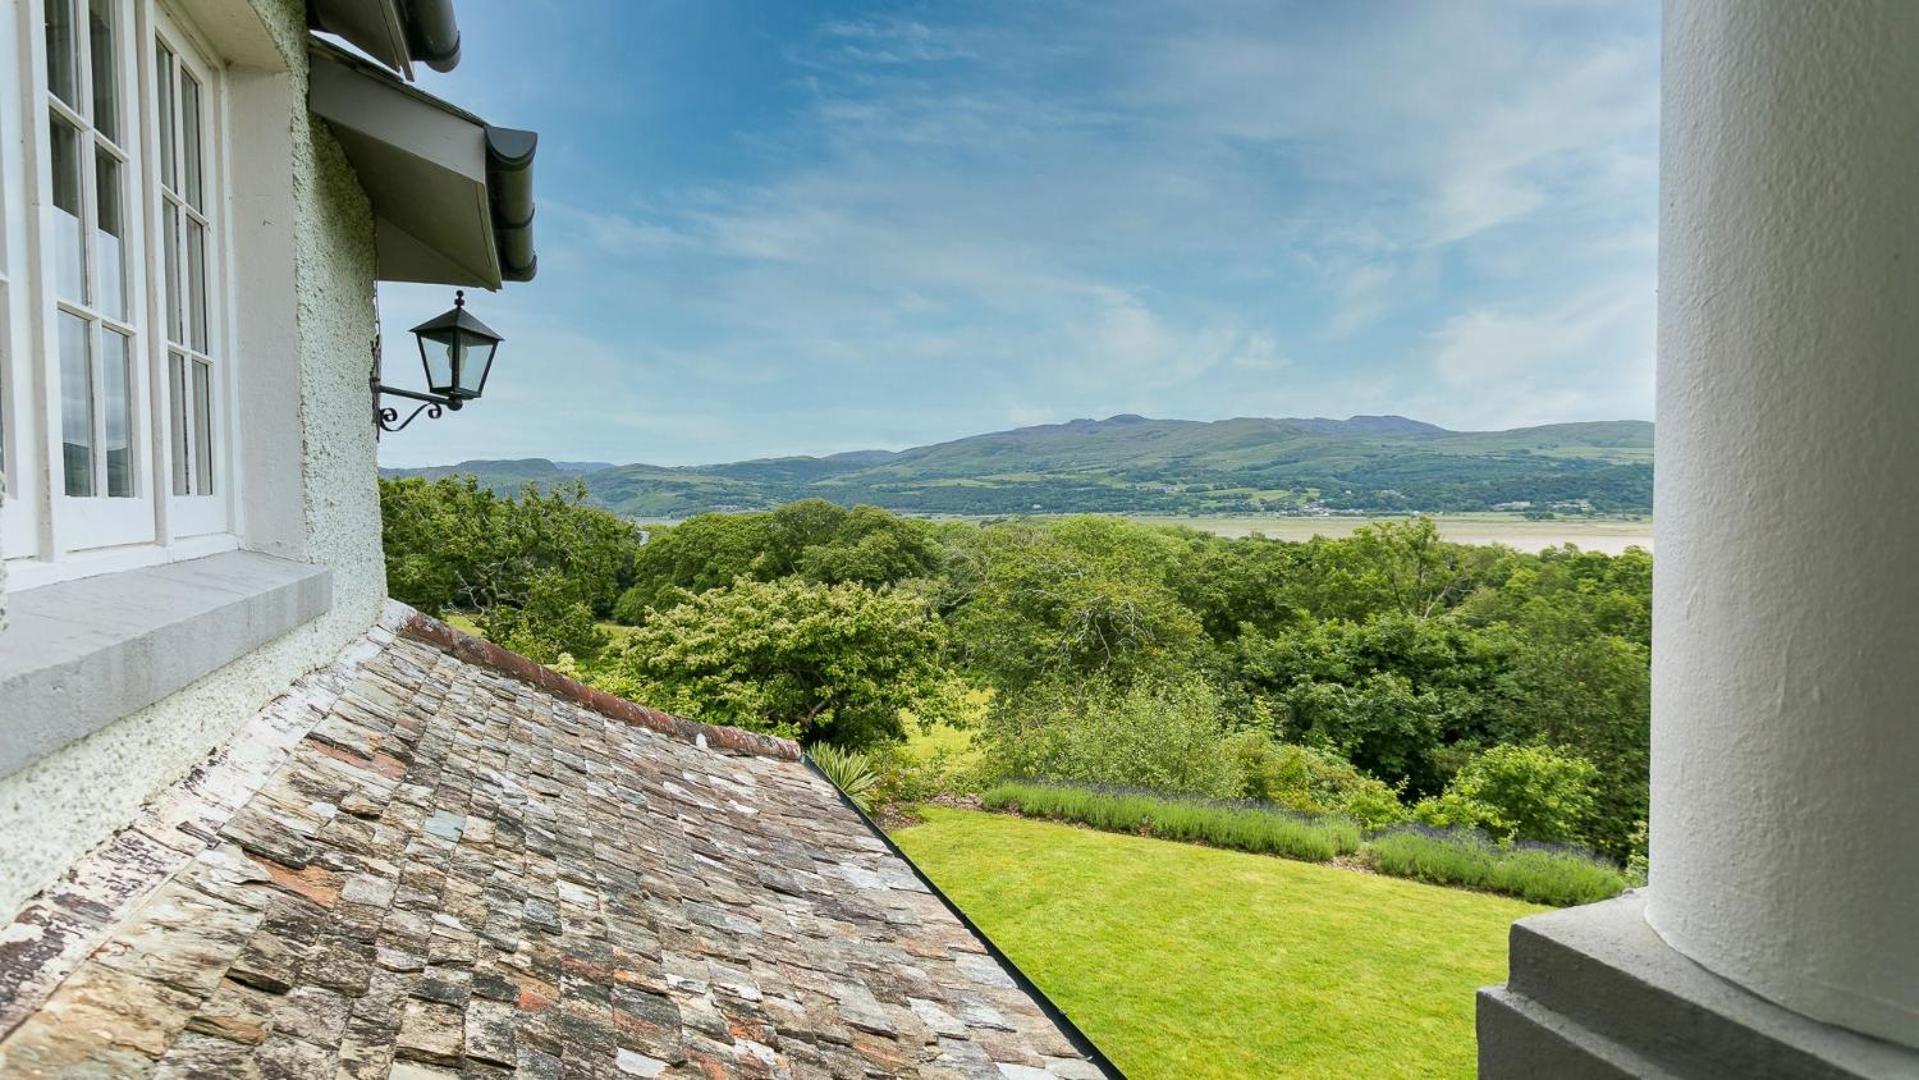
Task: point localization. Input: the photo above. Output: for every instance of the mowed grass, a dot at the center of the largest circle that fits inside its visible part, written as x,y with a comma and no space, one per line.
1187,961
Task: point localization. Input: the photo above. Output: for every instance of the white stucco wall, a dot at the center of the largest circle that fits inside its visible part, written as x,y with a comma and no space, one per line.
1785,749
56,810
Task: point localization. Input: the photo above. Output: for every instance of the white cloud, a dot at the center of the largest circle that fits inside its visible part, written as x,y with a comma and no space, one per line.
1588,357
972,218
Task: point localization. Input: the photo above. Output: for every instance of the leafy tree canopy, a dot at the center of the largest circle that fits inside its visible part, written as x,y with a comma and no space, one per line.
832,663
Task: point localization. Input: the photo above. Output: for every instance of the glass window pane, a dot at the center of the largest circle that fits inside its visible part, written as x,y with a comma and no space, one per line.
76,405
63,55
106,70
177,426
170,231
168,149
202,428
440,354
116,395
109,245
70,279
197,284
190,131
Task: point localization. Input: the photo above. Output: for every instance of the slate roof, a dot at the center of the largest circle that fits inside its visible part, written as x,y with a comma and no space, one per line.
416,865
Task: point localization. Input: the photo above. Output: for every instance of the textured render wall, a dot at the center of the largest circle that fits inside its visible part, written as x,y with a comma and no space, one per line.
56,810
1785,784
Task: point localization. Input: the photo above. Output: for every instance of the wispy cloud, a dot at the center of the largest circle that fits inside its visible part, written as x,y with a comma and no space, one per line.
930,221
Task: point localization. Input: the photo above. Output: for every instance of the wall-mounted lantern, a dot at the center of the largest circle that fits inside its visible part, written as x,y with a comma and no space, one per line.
456,351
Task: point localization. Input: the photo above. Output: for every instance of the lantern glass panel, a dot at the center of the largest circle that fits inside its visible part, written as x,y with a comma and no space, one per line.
472,374
442,352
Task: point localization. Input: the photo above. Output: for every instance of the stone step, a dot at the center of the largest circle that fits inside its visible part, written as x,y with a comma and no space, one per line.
1598,977
1520,1037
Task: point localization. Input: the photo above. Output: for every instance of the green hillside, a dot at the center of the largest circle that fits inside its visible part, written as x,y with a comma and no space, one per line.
1132,464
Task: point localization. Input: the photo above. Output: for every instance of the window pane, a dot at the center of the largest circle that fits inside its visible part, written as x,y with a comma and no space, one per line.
190,131
170,230
63,57
64,219
116,394
177,426
197,283
76,405
106,89
168,149
109,245
202,428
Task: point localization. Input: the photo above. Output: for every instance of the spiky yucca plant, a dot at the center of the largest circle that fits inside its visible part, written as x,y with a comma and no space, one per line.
851,772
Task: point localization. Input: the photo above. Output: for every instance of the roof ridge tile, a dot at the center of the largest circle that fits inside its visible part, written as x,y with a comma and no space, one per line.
477,650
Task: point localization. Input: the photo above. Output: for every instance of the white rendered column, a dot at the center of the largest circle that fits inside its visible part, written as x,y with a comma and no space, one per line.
1785,709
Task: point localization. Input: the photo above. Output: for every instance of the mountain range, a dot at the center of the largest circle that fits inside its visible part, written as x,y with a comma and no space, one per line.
1133,464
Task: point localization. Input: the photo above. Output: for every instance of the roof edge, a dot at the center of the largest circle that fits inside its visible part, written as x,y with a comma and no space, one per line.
475,650
1081,1041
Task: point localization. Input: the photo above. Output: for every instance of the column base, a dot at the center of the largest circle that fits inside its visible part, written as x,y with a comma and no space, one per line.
1594,993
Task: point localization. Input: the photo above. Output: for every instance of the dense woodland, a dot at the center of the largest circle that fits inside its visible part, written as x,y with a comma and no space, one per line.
1390,676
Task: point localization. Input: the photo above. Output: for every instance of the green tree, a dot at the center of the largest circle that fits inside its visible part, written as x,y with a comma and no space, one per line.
1071,598
1517,792
551,621
833,663
1395,566
453,545
872,547
705,552
812,538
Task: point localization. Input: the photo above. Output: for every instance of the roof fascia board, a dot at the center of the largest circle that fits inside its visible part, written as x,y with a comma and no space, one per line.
388,113
417,157
374,26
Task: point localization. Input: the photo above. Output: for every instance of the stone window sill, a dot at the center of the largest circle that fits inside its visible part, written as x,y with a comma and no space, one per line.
78,655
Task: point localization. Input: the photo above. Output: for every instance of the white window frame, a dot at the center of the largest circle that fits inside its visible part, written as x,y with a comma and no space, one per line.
45,534
98,519
19,517
201,511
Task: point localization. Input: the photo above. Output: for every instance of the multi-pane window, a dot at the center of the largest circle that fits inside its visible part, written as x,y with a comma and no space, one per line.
185,229
86,224
112,386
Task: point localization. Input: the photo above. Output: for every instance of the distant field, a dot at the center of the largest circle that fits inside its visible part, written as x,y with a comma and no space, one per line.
1190,962
1609,535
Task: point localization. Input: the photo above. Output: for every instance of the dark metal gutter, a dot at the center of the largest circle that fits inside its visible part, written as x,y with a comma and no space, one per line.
394,32
509,190
1080,1040
432,37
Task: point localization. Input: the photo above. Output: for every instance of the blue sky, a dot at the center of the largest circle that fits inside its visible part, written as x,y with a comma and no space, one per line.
780,227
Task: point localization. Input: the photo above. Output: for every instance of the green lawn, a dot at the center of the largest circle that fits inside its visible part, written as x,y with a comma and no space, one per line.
1186,961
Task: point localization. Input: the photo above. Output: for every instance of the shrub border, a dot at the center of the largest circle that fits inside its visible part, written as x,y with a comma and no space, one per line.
1013,809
